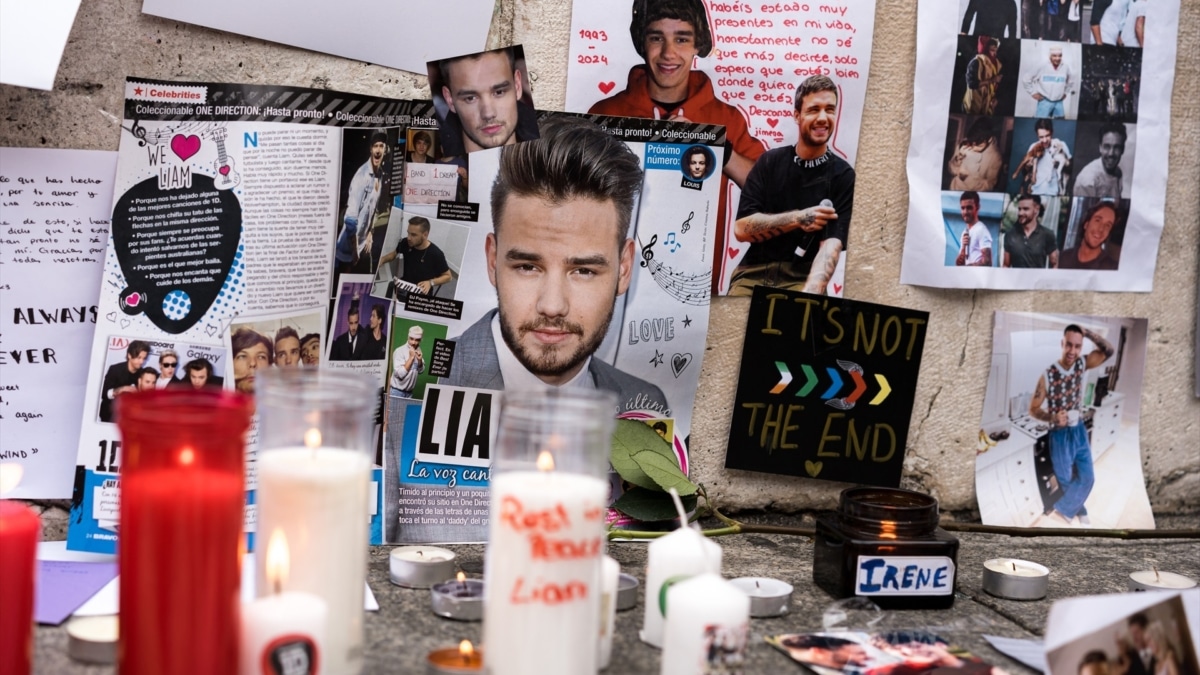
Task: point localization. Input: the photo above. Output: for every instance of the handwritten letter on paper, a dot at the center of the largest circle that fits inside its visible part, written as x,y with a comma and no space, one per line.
54,223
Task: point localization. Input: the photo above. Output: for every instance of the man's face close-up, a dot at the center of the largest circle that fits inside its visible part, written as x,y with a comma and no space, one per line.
1056,59
816,117
147,382
168,366
287,352
198,378
970,211
670,49
378,151
1098,227
136,361
1111,149
697,165
246,363
310,353
1027,211
416,237
352,322
484,92
1072,347
557,269
374,321
1044,136
414,343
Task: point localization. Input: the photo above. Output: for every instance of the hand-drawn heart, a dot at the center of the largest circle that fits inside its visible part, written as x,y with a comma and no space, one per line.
813,468
111,316
210,329
679,362
772,122
125,323
185,146
732,252
837,289
196,274
224,170
606,87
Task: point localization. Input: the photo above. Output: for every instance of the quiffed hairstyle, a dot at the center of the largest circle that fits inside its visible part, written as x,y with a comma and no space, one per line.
421,222
286,332
813,84
573,159
646,12
137,347
443,65
969,196
1113,128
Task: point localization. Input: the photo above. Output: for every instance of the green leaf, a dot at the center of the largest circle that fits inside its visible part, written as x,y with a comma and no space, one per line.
665,472
635,436
651,505
629,469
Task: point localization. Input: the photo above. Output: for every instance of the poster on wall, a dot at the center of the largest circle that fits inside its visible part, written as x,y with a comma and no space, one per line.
785,174
593,274
826,388
1038,147
1058,442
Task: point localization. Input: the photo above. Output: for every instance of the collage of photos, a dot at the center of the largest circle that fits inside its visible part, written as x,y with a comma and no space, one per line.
262,342
1042,133
901,652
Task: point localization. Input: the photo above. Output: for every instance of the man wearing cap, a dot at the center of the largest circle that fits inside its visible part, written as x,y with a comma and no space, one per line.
353,243
407,363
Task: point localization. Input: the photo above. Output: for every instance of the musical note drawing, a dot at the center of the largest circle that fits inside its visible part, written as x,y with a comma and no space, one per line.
165,133
672,243
647,254
687,224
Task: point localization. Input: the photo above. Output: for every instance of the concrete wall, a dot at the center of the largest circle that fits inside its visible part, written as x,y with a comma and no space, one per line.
112,39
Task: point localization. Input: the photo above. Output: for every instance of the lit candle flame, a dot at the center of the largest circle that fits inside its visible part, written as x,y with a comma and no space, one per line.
466,649
312,438
187,456
461,577
10,476
545,461
277,560
888,530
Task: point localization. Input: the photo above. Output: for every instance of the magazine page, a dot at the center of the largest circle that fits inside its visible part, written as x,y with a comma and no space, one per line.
545,290
234,207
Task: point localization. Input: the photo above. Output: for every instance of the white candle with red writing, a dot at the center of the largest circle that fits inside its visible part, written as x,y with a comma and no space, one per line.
546,524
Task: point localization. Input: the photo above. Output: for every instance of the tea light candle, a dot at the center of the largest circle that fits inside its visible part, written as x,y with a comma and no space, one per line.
684,552
707,626
461,599
93,639
768,597
285,631
20,529
455,660
627,588
610,578
421,566
1015,579
1157,580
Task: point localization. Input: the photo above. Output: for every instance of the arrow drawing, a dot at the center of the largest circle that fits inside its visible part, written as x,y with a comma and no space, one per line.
884,390
860,386
812,381
784,380
833,388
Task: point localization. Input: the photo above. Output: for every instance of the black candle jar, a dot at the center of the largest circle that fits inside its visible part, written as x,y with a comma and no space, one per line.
885,544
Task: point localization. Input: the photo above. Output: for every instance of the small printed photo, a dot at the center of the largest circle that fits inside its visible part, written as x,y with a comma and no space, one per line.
1049,80
421,146
1042,157
364,197
977,153
421,255
985,76
1119,23
142,365
483,100
359,325
1112,80
698,163
1094,234
972,228
1155,640
1057,20
911,652
410,356
1029,230
277,341
1104,154
994,18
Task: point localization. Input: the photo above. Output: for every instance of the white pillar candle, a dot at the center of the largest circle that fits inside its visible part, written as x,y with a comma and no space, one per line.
684,552
283,632
542,578
707,627
318,498
1157,580
611,573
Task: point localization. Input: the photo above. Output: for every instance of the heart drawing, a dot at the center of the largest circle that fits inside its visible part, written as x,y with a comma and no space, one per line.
224,170
185,146
813,468
679,362
772,122
732,252
606,87
837,289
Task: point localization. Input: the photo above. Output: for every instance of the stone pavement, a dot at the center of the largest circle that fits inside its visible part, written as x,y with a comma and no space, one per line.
404,630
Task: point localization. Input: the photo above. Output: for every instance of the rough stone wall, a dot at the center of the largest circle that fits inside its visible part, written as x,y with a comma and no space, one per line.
112,39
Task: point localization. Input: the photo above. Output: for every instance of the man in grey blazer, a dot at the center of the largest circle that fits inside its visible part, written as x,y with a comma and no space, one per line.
559,256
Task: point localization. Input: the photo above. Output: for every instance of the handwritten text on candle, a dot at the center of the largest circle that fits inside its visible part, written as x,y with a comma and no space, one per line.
538,525
904,575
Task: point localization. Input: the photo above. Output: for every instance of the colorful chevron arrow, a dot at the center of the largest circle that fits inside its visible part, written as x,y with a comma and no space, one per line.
884,390
785,378
812,381
833,388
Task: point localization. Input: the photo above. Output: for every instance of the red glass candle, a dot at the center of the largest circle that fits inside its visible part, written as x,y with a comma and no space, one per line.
182,500
20,530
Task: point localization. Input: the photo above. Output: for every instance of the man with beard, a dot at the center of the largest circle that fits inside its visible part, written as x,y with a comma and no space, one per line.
354,242
1102,176
483,92
1030,245
558,256
796,205
976,248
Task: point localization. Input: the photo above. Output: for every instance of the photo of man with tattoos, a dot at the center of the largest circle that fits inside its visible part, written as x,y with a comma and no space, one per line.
796,204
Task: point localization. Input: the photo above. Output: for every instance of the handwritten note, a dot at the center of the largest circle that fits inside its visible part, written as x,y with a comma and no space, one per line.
54,220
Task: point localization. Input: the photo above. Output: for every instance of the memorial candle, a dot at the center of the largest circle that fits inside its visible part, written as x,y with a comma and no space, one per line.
285,631
20,529
707,627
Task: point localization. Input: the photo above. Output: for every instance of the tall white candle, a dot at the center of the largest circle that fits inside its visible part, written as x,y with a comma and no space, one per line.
707,626
684,552
611,574
285,631
542,595
318,498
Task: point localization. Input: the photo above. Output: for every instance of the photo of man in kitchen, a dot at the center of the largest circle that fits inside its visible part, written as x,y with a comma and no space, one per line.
1058,442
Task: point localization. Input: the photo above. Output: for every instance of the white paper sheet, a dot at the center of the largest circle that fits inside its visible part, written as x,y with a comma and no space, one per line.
32,38
1030,652
347,28
53,233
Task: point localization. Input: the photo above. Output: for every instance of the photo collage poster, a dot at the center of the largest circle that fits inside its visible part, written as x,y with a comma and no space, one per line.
1058,443
1038,144
543,300
739,65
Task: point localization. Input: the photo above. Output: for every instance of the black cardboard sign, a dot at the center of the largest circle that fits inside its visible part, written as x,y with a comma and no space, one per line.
826,388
